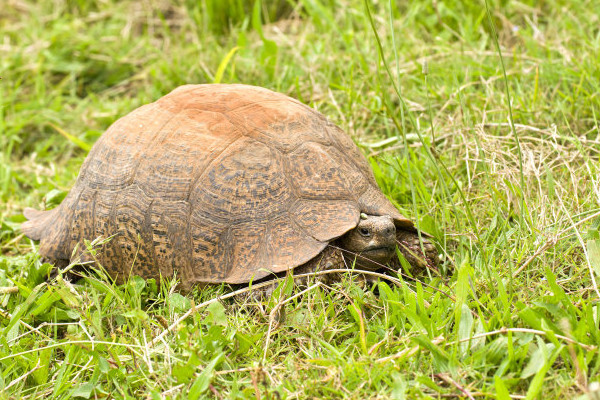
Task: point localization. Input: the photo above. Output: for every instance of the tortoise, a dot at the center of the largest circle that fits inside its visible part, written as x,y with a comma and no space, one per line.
221,183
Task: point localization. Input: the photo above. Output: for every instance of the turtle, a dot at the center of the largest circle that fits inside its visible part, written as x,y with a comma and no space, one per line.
226,183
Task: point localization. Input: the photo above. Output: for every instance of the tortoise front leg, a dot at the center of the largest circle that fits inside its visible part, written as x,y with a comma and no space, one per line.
420,254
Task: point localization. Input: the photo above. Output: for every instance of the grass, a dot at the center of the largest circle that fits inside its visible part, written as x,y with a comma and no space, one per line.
420,86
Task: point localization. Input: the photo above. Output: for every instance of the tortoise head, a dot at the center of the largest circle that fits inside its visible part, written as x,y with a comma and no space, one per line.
372,242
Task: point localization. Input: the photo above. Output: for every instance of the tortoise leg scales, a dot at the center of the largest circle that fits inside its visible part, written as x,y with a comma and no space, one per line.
421,254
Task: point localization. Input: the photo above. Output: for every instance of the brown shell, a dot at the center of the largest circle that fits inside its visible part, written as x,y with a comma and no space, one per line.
218,183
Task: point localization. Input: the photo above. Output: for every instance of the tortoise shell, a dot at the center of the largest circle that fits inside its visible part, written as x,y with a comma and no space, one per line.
218,183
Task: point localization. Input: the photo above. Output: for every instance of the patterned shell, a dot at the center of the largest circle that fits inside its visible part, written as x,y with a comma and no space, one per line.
218,183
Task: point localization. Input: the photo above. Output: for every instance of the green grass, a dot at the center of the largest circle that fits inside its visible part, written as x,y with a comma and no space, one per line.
515,208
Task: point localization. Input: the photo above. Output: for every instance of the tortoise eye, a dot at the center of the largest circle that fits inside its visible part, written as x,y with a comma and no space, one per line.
364,232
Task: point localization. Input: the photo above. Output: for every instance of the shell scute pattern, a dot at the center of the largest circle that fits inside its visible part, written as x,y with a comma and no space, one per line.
353,174
248,249
326,219
246,184
104,226
173,162
288,244
172,249
210,248
113,161
83,217
315,175
133,232
284,129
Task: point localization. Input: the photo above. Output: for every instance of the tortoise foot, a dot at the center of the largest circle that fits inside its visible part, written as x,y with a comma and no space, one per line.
421,253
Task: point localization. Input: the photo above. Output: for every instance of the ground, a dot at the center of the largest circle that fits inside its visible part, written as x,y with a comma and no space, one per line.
480,121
